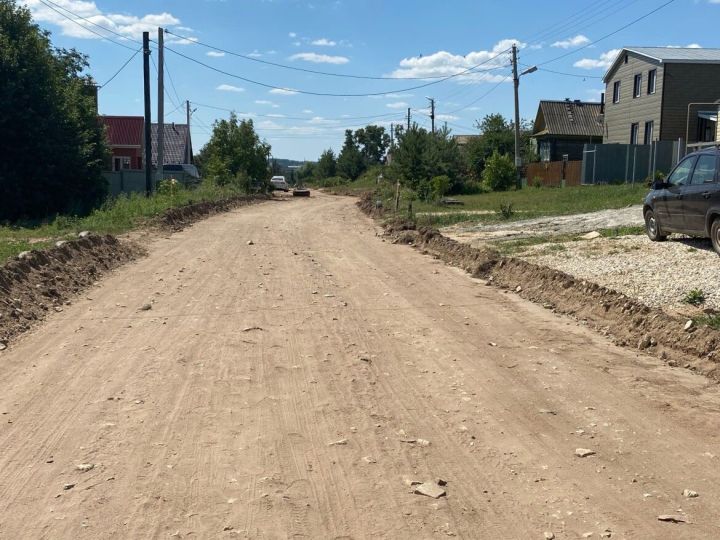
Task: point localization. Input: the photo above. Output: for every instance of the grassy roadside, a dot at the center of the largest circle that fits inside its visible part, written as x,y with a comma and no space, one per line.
116,216
555,241
529,203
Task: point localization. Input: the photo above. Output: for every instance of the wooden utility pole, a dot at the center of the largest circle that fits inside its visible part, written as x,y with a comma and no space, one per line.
161,105
516,84
148,113
408,119
432,113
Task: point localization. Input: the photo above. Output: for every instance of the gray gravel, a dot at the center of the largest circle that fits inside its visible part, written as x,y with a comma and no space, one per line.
575,223
657,274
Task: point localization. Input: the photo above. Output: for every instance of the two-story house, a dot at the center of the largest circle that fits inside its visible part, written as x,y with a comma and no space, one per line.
662,94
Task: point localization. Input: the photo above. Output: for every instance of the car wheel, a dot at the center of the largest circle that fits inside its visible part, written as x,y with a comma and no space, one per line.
653,228
715,235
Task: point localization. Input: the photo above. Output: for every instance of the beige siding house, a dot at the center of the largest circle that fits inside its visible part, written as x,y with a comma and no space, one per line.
662,93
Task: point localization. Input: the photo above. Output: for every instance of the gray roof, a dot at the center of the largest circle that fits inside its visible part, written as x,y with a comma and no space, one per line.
174,144
568,118
669,55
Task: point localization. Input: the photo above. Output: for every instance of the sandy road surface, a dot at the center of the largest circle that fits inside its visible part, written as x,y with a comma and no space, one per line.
199,429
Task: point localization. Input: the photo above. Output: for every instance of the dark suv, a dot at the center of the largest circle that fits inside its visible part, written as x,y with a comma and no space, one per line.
688,201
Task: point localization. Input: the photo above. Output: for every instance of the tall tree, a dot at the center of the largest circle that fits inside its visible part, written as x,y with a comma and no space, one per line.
350,163
326,165
53,144
374,142
235,150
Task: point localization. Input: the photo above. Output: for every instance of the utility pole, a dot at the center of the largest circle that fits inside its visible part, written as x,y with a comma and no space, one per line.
188,147
148,113
392,135
408,119
516,83
161,105
432,113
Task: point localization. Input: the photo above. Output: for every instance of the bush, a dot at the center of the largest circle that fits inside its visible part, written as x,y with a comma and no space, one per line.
537,182
440,185
506,210
499,173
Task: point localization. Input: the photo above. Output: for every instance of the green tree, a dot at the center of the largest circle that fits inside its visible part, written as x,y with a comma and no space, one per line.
53,144
410,159
235,151
350,163
374,142
499,172
326,165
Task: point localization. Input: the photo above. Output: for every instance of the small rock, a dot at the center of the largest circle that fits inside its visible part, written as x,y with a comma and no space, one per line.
250,243
689,325
607,533
441,482
369,459
549,535
60,243
251,328
492,344
3,345
341,442
430,489
422,442
547,411
672,518
24,254
146,307
690,494
518,289
68,487
591,235
58,309
644,343
85,467
84,234
584,452
587,535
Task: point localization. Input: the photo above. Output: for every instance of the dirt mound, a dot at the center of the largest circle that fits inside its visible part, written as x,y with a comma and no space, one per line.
39,282
368,203
626,321
176,219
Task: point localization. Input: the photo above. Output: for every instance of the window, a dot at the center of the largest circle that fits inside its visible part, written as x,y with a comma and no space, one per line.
616,92
649,127
125,162
679,177
704,172
634,131
652,77
637,86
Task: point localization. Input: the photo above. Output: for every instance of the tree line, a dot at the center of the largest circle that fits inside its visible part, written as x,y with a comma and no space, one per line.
431,164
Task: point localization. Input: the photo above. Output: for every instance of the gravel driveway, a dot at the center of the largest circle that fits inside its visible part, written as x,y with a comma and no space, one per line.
658,274
575,223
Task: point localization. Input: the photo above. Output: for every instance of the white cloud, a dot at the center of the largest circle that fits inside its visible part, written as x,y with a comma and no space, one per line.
605,61
691,46
397,105
307,111
215,54
272,115
255,54
229,88
320,58
283,91
292,35
266,102
448,117
319,120
443,64
392,96
129,26
577,41
324,42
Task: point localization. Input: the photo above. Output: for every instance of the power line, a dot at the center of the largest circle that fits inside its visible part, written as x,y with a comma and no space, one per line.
121,68
329,94
47,3
578,75
634,21
483,96
293,117
314,71
172,82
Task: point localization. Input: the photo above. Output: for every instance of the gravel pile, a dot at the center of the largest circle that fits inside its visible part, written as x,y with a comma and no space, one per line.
657,274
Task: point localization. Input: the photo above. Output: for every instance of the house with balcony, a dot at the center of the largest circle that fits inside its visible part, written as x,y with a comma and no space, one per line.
663,94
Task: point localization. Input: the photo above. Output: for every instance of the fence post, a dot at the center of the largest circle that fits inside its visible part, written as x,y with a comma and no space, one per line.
634,163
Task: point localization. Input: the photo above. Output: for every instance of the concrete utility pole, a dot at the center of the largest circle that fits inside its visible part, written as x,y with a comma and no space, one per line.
516,83
161,105
408,119
148,113
432,113
188,147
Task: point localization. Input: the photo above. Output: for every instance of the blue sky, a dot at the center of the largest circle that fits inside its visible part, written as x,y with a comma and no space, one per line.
389,38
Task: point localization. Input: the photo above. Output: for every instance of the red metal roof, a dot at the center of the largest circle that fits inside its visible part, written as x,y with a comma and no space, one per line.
124,130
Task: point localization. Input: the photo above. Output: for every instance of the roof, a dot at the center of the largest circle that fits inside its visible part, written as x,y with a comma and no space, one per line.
174,143
124,130
570,118
464,139
671,55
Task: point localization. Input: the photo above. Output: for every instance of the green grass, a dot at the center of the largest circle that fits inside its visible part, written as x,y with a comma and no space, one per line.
532,202
116,216
713,321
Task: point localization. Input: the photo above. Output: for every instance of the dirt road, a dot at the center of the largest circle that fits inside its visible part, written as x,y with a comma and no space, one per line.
274,391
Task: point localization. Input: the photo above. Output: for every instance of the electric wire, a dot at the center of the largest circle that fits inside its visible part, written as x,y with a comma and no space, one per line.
121,68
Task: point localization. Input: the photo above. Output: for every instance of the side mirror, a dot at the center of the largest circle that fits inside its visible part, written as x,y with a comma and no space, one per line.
659,184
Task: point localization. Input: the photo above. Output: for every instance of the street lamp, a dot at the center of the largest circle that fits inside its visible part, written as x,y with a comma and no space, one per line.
516,81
